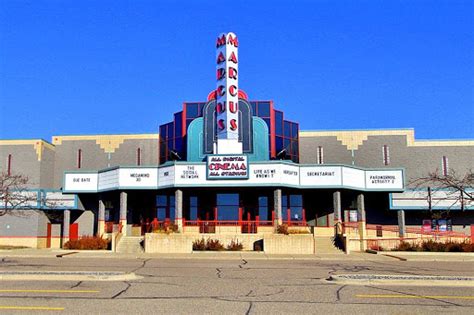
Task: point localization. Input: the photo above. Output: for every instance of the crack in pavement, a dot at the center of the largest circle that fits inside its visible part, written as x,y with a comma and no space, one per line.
244,262
249,309
76,285
338,293
219,273
129,285
144,261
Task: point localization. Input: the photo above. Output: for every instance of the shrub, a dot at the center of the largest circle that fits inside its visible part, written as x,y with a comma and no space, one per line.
467,247
166,228
376,247
298,231
214,245
406,246
235,245
454,247
199,244
210,244
433,246
88,242
282,229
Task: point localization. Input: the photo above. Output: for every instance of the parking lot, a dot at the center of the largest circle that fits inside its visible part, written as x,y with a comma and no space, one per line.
232,286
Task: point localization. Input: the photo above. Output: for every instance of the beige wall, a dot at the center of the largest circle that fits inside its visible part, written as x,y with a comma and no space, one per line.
417,157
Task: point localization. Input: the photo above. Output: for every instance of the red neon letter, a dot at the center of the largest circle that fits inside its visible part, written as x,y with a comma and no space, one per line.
233,58
233,124
233,90
221,124
220,73
232,107
233,41
221,90
232,73
220,41
220,107
220,58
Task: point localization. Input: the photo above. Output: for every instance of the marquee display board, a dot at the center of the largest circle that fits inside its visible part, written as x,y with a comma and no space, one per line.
281,174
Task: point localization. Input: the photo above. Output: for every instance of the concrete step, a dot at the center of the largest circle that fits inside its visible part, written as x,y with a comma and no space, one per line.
325,245
130,245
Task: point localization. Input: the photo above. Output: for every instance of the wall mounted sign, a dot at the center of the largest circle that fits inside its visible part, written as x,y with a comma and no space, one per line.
227,167
80,182
227,92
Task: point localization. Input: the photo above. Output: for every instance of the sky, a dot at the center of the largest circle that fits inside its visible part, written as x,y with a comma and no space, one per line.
113,67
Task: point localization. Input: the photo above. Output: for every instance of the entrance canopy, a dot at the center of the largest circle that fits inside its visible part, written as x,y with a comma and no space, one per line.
240,174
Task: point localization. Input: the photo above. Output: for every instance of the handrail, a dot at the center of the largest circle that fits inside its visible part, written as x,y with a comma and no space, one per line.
408,230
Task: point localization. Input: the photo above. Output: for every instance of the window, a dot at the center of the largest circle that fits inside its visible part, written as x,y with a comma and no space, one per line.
139,156
9,165
254,108
320,155
278,123
294,130
79,158
165,207
193,208
287,129
228,207
263,208
178,124
263,109
385,155
293,204
192,110
445,165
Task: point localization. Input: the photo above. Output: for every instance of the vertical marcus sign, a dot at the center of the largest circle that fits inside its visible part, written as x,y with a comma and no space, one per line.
227,93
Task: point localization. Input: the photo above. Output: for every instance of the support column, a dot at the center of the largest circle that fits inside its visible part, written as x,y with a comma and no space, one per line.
66,224
101,219
361,221
178,209
123,212
401,223
278,210
336,198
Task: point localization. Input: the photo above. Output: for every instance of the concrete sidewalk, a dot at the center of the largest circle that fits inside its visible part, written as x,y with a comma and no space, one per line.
59,253
428,256
383,256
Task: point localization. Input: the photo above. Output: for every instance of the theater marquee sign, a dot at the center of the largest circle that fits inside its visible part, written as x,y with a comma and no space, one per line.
223,170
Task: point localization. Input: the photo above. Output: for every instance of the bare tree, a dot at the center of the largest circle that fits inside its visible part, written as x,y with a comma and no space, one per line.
458,188
14,194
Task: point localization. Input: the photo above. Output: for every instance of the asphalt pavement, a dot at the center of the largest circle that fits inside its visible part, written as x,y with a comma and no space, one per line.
229,284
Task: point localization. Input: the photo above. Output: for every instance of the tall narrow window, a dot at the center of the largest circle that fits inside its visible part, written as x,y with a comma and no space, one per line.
79,158
9,165
385,155
320,155
445,165
139,156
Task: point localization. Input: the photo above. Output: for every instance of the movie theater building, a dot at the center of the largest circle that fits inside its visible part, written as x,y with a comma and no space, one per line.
232,167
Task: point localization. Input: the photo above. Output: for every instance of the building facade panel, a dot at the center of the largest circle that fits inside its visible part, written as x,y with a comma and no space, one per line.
21,157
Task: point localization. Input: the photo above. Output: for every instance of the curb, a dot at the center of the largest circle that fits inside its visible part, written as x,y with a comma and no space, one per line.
67,276
408,280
